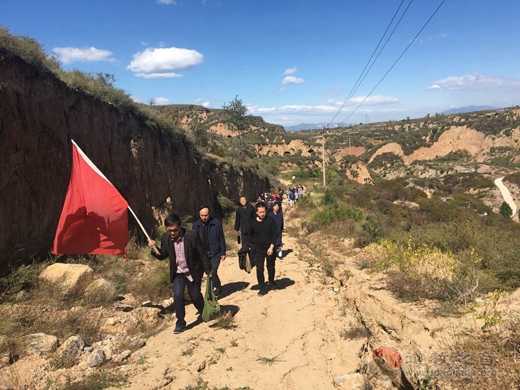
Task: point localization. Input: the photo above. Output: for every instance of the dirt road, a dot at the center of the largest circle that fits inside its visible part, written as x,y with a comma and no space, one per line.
506,195
288,339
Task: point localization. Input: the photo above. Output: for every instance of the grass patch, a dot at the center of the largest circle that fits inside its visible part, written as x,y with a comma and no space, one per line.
268,361
97,380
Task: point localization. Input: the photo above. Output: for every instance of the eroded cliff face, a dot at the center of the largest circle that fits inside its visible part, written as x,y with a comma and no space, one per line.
39,115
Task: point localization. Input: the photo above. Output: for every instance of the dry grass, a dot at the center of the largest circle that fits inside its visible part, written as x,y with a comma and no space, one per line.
417,272
490,360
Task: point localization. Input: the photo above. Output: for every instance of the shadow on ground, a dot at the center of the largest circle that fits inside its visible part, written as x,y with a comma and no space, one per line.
232,288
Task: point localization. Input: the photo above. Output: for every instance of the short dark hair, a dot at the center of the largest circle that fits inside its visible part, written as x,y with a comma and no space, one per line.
204,206
172,219
259,205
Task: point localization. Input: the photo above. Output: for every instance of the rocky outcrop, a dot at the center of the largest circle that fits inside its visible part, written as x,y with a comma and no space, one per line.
39,114
224,129
359,173
292,148
455,139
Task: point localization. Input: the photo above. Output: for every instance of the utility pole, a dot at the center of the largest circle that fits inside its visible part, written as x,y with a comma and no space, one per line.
323,163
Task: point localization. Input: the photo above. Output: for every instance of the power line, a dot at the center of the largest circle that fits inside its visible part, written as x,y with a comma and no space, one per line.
373,58
385,75
384,46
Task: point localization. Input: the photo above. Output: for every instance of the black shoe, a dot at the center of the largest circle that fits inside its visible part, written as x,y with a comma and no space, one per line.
179,327
262,290
273,285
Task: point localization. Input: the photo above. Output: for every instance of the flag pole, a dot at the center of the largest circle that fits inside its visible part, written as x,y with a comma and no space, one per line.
98,171
139,223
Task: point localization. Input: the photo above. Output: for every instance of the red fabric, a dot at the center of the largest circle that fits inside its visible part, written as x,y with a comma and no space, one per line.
94,218
391,357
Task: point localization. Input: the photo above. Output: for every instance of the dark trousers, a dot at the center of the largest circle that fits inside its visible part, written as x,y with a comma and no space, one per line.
215,263
260,256
179,283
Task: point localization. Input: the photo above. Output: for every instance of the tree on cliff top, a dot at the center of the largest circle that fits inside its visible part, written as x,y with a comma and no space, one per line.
236,108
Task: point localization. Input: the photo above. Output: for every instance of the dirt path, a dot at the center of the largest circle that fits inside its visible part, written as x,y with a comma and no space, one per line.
289,339
506,195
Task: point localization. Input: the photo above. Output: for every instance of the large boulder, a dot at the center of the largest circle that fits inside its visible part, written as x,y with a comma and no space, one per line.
70,277
100,291
70,349
40,343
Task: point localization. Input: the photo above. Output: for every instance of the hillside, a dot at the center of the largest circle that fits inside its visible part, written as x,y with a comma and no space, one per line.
428,152
148,160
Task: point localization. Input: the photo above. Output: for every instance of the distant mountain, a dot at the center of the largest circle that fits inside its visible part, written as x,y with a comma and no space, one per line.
462,110
312,126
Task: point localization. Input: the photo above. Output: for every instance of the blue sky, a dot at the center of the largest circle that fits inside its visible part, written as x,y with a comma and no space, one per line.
290,61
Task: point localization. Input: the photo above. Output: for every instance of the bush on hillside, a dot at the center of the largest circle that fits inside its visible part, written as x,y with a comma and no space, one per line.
28,49
100,85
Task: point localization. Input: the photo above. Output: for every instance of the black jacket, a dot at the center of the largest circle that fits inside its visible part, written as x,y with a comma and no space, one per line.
196,257
263,234
243,217
216,242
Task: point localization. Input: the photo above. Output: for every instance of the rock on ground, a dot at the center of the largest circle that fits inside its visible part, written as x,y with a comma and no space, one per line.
71,347
100,290
96,358
68,276
40,343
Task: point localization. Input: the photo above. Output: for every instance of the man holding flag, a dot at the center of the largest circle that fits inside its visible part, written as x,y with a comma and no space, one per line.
188,262
94,220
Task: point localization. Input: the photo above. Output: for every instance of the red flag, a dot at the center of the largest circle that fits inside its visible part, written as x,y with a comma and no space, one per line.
94,218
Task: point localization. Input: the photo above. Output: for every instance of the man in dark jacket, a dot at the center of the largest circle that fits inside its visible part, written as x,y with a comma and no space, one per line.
211,234
262,232
188,262
276,215
243,217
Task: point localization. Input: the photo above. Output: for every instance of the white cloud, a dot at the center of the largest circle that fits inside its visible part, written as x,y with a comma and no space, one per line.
159,101
136,99
164,61
87,54
375,106
202,102
167,2
290,71
292,80
376,100
165,75
318,109
475,81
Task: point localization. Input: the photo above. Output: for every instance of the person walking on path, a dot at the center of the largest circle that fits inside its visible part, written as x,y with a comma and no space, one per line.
263,235
243,217
188,262
276,215
209,230
292,197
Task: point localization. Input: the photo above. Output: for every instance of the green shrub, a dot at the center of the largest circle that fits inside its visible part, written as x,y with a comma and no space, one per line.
333,213
505,210
24,277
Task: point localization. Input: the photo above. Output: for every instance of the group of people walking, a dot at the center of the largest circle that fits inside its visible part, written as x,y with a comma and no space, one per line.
201,250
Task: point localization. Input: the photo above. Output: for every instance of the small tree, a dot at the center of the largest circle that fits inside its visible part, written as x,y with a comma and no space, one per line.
505,210
236,107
